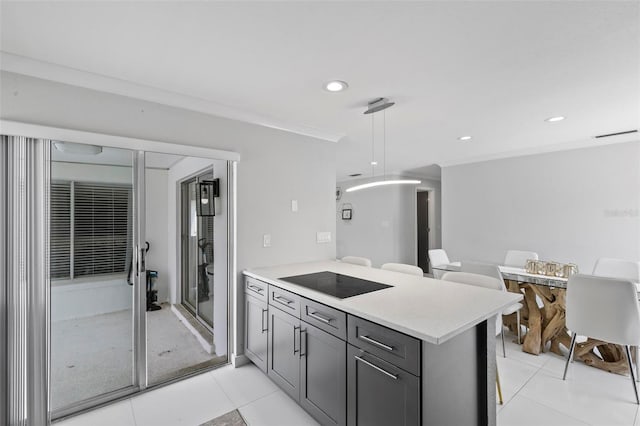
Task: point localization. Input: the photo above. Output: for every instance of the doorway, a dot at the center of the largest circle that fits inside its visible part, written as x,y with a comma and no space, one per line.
198,247
422,229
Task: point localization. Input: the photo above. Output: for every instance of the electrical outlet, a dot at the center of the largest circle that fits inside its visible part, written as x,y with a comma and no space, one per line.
323,237
294,205
266,240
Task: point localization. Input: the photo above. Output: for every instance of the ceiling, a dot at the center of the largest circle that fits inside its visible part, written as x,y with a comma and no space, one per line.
493,70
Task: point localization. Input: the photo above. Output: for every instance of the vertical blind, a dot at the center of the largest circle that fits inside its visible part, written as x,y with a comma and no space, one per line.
94,236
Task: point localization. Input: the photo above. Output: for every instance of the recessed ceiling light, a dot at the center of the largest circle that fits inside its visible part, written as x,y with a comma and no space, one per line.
374,163
554,119
336,86
465,138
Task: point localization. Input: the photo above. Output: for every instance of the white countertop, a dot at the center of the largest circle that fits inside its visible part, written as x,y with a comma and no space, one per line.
428,309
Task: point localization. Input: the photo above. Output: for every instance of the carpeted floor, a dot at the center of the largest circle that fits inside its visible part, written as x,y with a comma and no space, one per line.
91,356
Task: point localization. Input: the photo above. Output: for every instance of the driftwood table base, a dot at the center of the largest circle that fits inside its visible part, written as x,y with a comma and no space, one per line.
546,325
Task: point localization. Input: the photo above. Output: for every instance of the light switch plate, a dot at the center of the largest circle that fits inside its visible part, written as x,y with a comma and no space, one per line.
323,237
294,205
266,240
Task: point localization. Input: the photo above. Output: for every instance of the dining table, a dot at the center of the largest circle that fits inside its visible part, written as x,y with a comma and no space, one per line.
543,315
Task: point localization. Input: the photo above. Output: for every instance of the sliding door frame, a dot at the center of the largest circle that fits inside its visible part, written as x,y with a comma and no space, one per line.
37,368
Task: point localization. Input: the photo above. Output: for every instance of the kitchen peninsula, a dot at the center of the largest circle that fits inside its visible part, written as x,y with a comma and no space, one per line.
417,352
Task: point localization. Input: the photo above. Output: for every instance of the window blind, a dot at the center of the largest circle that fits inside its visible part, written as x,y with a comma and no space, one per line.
60,241
102,229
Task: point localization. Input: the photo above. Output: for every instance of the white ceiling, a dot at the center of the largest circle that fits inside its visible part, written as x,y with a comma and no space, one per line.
493,70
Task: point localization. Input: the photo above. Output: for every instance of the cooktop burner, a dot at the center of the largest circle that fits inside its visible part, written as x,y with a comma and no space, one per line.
337,285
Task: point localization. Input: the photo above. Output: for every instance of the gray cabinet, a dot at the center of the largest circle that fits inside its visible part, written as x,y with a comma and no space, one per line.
379,393
256,330
323,376
284,351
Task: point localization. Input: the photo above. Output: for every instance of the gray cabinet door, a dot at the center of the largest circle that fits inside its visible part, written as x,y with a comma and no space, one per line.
379,393
284,351
256,326
323,380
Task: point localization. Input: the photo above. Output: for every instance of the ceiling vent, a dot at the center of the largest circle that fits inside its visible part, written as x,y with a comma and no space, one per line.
617,134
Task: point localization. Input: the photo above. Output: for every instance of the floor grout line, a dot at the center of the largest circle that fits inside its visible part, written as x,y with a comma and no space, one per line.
133,413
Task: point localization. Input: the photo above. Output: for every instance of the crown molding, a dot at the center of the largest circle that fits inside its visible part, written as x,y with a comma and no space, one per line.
48,71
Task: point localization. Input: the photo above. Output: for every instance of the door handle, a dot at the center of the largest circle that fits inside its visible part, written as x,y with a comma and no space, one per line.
376,343
375,367
263,312
303,345
295,351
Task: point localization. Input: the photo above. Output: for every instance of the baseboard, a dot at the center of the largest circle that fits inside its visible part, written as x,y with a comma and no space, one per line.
239,360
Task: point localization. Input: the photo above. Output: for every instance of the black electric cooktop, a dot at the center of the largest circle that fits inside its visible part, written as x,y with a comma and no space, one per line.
337,285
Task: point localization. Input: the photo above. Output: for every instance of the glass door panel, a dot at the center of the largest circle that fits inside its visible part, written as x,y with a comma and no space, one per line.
92,222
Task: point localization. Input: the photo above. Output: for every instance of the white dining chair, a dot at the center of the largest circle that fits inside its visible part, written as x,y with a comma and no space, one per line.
493,271
605,309
362,261
617,268
438,257
403,268
486,282
518,258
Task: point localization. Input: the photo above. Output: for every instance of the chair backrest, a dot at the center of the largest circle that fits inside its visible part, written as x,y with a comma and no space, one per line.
518,258
483,269
404,268
438,257
603,308
363,261
479,281
617,268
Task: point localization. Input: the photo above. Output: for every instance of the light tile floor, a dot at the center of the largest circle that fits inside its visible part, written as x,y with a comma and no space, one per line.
533,389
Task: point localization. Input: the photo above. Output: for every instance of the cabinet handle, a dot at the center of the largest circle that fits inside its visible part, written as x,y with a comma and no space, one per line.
375,367
319,317
375,342
263,312
303,345
255,288
295,351
283,300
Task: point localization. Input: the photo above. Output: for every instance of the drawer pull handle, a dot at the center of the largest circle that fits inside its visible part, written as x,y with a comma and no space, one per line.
376,343
283,300
320,317
255,288
375,367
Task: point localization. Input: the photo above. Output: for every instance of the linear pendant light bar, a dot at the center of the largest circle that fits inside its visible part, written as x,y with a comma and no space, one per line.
381,104
383,183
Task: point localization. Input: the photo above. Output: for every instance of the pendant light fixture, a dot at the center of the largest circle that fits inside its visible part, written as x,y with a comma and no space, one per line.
377,105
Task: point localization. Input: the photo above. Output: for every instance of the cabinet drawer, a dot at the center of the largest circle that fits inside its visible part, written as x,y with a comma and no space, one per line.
256,288
397,348
284,300
325,318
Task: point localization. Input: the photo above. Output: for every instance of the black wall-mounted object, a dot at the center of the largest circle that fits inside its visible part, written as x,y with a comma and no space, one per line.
208,190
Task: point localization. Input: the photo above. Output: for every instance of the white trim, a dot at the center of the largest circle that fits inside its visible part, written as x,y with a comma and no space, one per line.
16,128
45,70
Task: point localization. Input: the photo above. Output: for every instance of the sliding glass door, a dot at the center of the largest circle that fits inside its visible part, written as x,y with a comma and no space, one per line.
94,276
92,273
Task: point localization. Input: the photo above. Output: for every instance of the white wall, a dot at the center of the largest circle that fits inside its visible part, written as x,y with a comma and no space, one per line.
570,206
276,166
90,297
157,224
383,226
